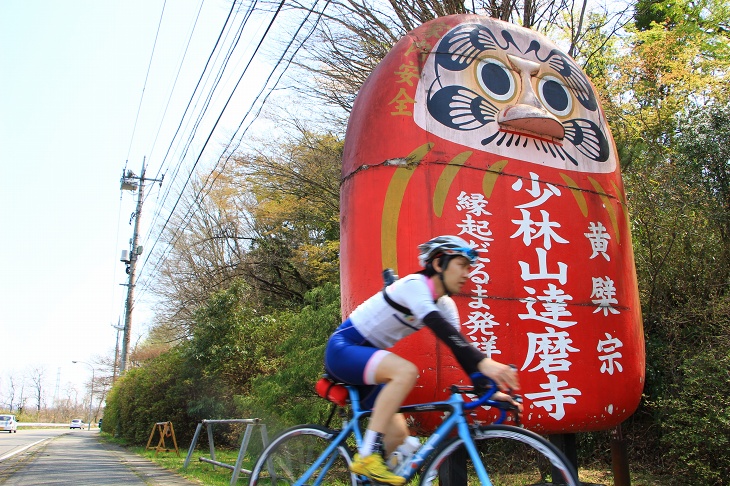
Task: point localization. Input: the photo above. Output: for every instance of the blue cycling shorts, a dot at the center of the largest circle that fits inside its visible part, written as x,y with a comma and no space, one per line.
351,359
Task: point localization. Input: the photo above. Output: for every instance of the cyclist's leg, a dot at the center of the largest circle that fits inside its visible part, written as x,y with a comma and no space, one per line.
290,454
351,359
396,433
511,456
399,376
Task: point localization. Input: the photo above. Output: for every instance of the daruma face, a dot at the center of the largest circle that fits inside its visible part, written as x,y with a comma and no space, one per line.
498,88
478,128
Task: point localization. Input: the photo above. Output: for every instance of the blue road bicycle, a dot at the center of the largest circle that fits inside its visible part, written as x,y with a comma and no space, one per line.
496,454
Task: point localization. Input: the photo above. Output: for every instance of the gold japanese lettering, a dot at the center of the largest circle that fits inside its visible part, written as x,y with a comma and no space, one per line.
401,101
407,73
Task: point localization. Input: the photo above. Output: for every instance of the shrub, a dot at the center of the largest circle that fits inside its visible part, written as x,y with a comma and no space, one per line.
695,418
286,396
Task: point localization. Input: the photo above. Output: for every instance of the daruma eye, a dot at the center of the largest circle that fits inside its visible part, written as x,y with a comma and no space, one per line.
496,79
555,96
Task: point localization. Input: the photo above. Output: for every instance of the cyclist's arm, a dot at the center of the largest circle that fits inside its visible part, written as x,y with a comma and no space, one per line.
466,354
470,359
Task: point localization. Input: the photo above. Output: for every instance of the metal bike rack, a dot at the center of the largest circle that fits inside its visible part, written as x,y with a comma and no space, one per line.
236,468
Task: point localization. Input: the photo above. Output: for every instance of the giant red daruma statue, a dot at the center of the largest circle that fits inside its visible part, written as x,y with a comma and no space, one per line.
483,129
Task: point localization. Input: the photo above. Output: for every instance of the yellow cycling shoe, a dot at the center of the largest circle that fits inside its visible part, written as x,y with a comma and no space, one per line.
373,466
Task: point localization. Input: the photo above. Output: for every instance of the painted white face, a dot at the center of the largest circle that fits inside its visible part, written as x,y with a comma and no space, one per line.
499,88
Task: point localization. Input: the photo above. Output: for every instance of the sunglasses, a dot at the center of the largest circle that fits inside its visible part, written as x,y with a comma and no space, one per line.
469,253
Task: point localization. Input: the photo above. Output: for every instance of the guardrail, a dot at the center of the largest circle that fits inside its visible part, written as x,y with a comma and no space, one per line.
48,424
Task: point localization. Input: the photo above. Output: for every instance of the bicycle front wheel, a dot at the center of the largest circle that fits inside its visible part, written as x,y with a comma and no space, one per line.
511,456
292,452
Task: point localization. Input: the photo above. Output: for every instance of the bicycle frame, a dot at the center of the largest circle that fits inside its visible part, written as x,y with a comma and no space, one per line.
456,420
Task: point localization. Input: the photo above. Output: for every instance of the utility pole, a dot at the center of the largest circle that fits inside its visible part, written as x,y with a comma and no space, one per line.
118,327
132,182
91,395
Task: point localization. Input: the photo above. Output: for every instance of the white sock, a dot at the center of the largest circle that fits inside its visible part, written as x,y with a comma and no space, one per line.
372,442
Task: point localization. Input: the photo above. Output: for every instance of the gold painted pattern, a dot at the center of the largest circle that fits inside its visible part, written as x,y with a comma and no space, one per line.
391,208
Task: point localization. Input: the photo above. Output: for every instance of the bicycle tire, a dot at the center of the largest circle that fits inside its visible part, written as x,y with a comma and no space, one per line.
292,452
511,456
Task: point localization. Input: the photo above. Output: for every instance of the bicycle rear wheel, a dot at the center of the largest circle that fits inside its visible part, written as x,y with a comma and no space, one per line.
511,456
292,452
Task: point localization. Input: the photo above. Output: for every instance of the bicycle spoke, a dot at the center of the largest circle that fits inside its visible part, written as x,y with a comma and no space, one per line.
511,456
291,454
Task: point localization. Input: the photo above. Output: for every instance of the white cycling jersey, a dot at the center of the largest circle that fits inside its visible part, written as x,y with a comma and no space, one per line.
383,325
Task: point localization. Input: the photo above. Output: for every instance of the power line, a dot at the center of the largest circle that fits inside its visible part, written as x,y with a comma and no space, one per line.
271,90
172,90
149,66
205,107
200,154
199,196
214,52
192,96
177,75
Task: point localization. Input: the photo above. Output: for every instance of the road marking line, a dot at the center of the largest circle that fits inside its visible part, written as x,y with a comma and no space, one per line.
8,456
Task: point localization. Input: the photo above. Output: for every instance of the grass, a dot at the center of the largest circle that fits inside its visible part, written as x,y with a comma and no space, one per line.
207,474
197,471
638,478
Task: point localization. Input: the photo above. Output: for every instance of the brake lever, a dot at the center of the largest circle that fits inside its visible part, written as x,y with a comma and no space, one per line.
516,410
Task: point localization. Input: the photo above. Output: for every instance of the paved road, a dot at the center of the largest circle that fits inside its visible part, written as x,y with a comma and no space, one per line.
13,444
83,460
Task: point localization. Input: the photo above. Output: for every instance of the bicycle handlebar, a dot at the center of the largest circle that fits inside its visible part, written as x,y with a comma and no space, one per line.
486,387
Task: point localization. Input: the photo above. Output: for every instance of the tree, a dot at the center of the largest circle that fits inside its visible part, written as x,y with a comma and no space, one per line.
237,363
12,391
164,389
710,15
355,35
283,392
700,440
270,217
205,247
38,384
20,404
294,214
655,82
702,150
651,85
231,340
661,69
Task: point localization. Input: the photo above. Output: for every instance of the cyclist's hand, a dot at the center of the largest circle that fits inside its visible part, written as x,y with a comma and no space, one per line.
503,375
503,397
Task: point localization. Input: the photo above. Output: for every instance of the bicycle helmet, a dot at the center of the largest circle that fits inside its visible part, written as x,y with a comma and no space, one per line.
445,245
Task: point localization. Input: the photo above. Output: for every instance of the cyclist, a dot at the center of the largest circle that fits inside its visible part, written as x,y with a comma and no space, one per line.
356,353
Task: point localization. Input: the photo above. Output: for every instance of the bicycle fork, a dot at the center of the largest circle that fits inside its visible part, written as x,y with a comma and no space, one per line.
471,448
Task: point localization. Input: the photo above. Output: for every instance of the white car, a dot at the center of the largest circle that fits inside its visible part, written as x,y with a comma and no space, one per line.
76,424
7,422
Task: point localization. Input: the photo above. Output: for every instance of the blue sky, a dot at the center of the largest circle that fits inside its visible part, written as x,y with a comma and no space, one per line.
71,80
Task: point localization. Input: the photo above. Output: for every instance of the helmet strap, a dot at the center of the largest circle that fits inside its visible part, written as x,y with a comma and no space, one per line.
443,263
